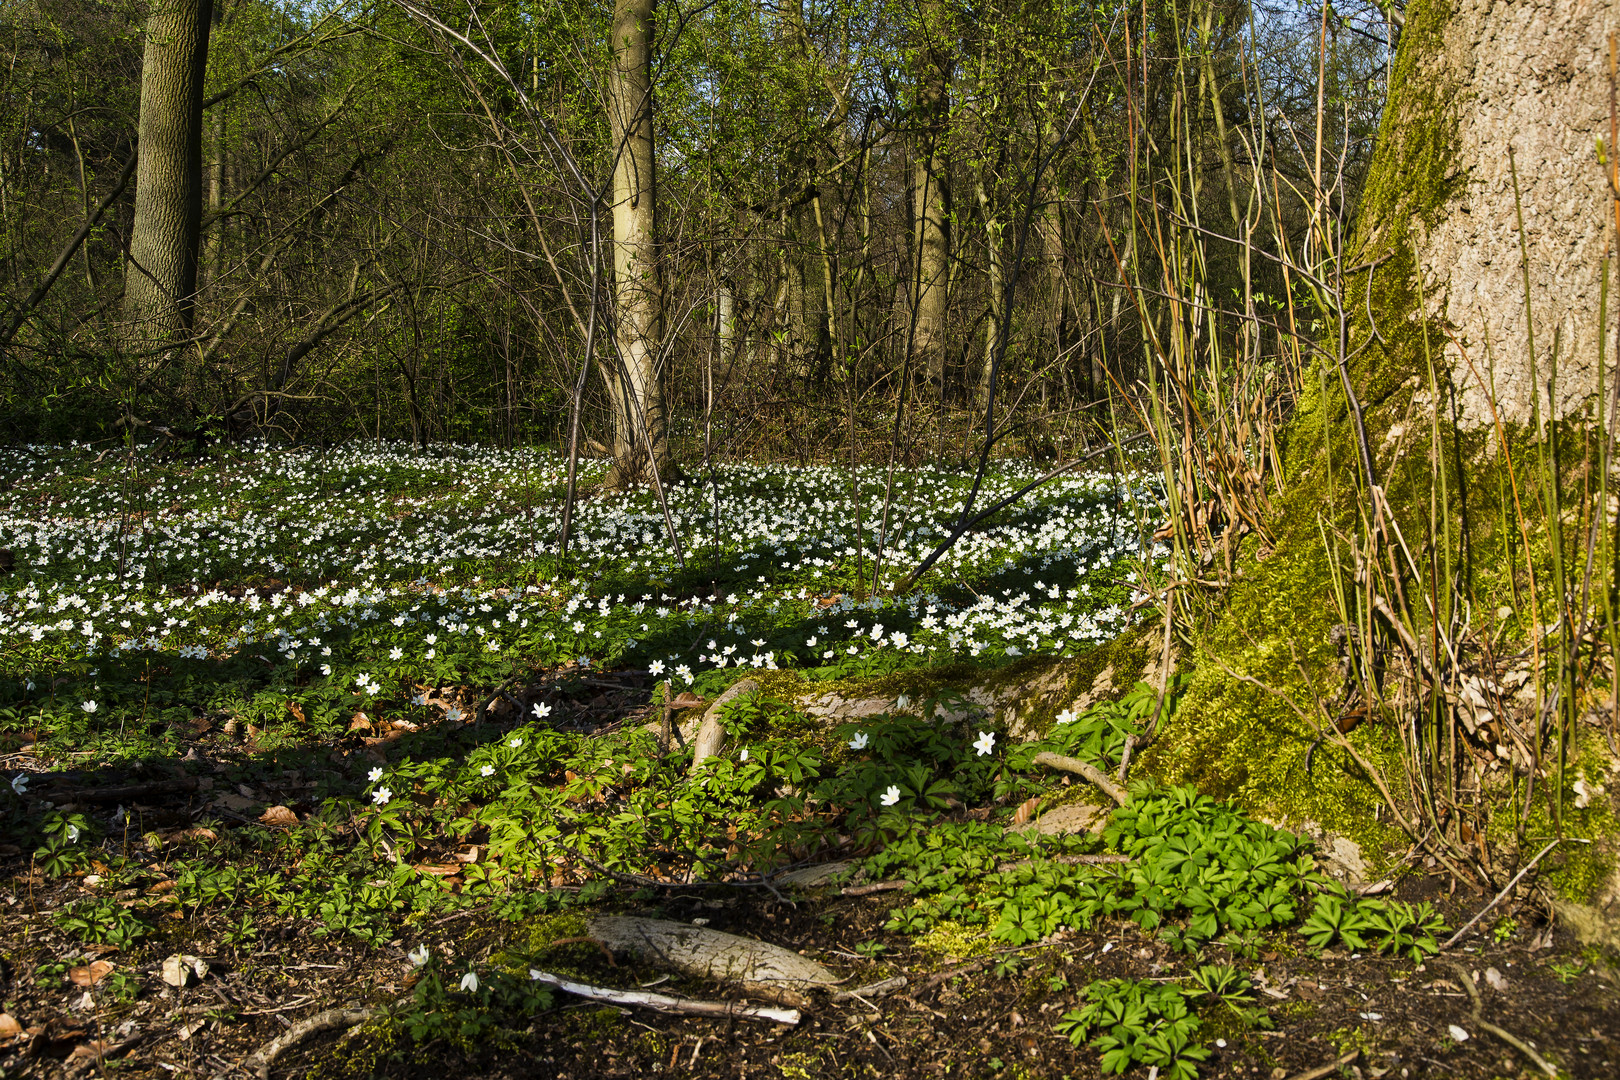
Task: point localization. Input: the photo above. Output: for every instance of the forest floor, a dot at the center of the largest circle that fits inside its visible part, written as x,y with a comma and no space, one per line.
294,732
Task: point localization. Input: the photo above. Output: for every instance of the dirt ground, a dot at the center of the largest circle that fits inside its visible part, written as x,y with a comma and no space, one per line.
1360,1016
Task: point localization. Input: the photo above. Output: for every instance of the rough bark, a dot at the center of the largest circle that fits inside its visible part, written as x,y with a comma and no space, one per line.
161,278
634,384
1483,90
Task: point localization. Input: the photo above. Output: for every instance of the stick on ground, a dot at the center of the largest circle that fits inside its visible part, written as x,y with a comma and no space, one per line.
1098,778
664,1003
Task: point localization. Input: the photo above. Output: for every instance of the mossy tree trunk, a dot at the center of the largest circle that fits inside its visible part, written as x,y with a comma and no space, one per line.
1494,117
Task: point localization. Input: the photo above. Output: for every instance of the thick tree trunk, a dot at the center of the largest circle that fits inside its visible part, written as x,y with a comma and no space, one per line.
634,384
161,279
931,196
1485,91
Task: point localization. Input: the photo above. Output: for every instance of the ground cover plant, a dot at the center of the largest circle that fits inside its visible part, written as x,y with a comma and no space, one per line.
338,728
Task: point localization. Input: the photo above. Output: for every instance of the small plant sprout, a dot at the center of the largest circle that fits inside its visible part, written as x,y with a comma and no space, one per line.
985,743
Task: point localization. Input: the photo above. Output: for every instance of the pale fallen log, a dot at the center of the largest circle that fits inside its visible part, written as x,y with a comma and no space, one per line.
711,735
760,968
1098,778
664,1003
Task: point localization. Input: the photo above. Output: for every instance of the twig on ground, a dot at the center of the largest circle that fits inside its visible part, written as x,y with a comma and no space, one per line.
1467,980
1327,1070
887,986
1098,778
874,887
664,1003
260,1060
1454,938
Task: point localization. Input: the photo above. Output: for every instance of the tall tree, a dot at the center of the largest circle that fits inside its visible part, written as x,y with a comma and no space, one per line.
161,278
931,191
634,379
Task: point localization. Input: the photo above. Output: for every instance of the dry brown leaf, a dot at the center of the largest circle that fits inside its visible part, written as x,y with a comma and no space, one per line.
279,816
686,700
297,711
1026,811
91,973
468,856
197,833
361,722
436,870
9,1027
161,886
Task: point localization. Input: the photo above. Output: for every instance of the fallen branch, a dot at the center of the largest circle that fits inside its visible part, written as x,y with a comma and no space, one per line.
1098,778
664,1003
877,989
1453,939
874,887
261,1059
1512,1040
1326,1070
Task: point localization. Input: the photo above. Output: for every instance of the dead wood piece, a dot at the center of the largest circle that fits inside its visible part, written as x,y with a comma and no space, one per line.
1098,778
874,887
1467,980
810,877
877,989
757,966
1327,1070
711,736
665,1003
260,1060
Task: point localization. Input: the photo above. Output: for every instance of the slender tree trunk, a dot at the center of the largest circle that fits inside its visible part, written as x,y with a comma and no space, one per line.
638,296
931,195
995,261
161,280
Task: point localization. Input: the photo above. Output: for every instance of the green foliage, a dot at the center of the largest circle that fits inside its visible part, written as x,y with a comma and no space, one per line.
1137,1023
101,921
1373,922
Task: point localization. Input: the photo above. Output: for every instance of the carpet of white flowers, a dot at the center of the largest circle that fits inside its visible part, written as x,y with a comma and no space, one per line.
378,568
